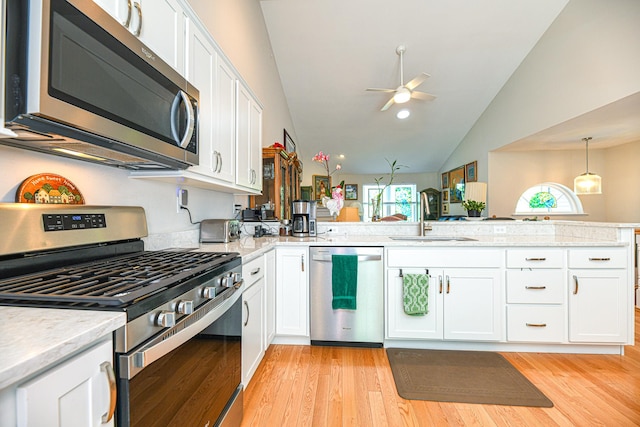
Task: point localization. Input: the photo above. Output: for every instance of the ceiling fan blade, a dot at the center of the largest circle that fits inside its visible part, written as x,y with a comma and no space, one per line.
423,96
417,81
376,89
389,103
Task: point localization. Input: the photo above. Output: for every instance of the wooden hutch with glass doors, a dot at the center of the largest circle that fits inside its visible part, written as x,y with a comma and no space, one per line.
281,177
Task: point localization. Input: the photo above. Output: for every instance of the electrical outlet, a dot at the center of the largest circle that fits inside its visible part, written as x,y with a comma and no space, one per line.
499,229
182,199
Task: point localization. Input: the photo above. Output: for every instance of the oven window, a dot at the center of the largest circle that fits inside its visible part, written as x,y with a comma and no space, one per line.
191,385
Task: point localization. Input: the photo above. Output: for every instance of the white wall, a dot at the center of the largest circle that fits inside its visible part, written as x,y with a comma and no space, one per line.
587,59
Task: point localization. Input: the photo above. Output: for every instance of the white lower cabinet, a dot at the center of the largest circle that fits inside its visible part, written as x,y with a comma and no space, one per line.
270,296
292,292
80,392
253,318
598,295
536,295
465,304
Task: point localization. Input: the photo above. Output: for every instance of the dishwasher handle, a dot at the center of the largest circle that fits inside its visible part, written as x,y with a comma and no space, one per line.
361,258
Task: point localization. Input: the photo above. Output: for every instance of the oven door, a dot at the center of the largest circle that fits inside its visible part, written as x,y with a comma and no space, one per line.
188,376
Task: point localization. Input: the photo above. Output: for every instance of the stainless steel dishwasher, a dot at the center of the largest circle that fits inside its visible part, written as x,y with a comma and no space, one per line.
363,326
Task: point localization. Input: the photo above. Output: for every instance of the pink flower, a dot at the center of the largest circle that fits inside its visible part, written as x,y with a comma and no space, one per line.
324,159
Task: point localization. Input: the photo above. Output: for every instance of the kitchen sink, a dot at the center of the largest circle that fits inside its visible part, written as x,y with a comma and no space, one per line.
434,238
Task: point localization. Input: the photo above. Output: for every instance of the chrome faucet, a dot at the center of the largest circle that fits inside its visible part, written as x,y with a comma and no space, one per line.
424,205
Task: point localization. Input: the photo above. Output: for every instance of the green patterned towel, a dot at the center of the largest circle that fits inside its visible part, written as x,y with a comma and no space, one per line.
415,289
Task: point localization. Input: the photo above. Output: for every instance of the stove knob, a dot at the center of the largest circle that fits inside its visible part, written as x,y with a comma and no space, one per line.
237,277
184,307
166,319
226,282
209,292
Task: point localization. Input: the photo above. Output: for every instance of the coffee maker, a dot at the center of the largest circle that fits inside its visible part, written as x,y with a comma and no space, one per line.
304,218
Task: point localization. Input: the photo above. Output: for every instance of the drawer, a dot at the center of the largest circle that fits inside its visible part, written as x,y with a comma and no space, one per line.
536,286
598,258
535,258
253,271
444,257
535,323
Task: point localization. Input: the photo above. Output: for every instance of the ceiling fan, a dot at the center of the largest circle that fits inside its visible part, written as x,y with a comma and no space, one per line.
405,92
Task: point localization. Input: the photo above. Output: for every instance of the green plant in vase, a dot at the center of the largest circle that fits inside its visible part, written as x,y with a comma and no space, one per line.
376,202
473,208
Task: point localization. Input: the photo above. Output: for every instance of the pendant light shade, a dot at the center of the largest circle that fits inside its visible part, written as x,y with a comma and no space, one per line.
587,183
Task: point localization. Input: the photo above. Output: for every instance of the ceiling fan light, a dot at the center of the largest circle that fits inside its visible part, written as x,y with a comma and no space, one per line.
402,95
403,114
587,183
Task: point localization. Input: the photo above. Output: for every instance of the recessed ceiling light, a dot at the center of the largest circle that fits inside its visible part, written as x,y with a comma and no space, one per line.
403,114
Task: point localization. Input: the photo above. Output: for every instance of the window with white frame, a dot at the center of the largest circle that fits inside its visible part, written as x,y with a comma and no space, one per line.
397,198
549,198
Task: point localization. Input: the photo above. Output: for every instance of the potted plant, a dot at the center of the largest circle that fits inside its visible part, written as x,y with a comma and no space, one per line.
473,208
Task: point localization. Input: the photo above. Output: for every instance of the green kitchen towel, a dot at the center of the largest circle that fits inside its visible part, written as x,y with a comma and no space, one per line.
344,281
415,289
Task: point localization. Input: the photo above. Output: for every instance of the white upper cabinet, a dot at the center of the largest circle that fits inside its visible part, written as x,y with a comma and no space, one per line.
208,72
249,140
160,24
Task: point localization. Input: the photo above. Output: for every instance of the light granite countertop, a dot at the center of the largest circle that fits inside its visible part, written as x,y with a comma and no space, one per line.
32,339
249,247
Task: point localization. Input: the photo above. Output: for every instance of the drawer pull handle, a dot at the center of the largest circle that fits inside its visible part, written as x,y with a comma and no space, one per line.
535,287
440,280
537,325
535,259
448,285
575,289
599,259
256,271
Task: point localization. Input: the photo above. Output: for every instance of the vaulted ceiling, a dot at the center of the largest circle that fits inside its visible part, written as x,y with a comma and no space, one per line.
328,52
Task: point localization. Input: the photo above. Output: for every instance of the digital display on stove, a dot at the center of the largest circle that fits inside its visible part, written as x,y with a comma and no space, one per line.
60,222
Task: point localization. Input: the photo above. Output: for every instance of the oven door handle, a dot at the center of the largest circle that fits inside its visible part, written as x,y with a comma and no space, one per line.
183,331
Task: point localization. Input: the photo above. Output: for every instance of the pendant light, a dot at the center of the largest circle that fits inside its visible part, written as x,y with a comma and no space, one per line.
587,183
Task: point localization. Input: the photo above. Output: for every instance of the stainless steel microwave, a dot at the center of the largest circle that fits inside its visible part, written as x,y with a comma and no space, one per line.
79,84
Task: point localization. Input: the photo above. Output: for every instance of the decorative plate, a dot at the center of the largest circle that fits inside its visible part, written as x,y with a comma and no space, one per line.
49,188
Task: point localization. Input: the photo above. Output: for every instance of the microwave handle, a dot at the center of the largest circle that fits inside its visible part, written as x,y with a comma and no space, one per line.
190,119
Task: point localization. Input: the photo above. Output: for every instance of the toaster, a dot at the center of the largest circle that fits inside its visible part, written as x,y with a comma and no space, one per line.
219,230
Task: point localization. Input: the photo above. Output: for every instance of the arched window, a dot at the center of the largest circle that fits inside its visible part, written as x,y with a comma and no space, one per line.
549,198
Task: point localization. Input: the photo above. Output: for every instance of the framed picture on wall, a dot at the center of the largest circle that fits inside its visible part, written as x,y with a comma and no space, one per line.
321,184
289,145
351,191
456,185
445,208
445,180
445,195
471,171
306,193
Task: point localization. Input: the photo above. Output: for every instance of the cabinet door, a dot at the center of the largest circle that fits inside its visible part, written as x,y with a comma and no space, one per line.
74,394
292,305
225,119
402,325
597,306
201,72
163,30
253,330
249,140
270,297
473,304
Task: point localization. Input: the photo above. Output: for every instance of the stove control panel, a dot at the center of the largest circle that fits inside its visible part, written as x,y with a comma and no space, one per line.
60,222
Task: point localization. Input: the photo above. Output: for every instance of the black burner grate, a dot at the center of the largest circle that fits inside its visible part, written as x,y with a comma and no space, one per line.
113,281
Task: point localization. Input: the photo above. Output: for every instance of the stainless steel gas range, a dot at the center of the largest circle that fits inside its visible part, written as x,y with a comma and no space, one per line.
178,357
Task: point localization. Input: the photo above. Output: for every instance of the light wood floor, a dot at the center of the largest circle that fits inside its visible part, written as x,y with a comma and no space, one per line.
340,386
